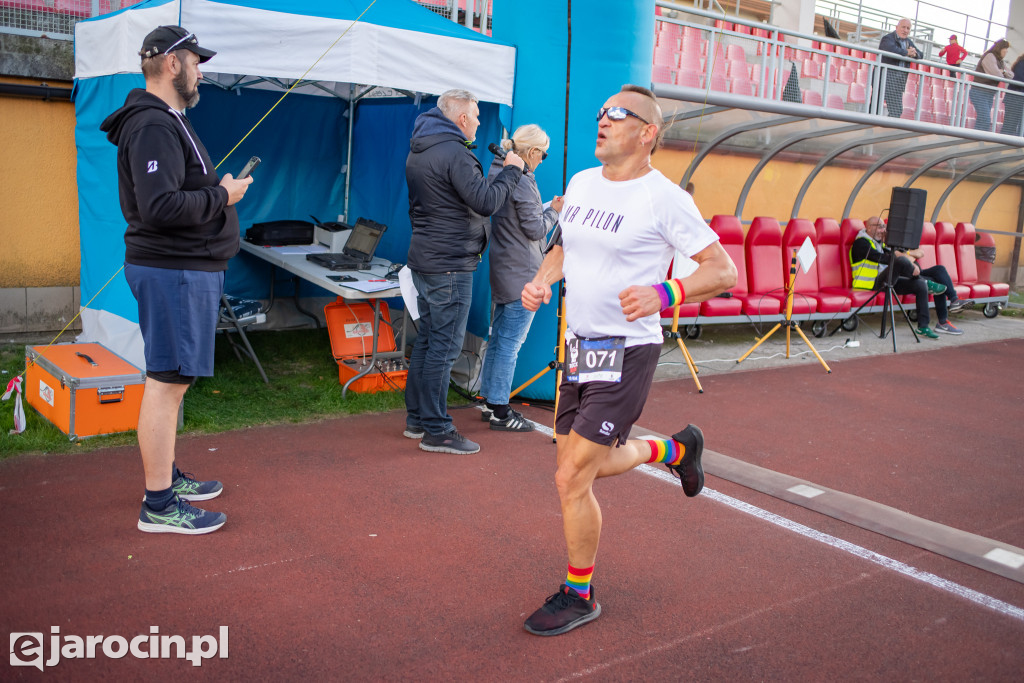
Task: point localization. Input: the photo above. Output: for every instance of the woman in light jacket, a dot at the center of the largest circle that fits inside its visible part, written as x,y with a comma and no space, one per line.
518,231
991,63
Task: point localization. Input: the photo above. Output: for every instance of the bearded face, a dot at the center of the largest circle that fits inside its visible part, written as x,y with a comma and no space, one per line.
189,92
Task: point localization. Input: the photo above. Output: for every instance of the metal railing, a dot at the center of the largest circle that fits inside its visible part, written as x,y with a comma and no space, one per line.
760,61
52,18
57,18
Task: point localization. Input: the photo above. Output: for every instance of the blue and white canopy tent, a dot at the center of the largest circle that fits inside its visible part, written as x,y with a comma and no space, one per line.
394,60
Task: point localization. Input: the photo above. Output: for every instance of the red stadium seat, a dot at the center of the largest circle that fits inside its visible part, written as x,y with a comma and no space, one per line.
765,274
661,74
833,261
797,231
811,97
742,86
857,94
945,254
730,235
835,102
690,79
967,265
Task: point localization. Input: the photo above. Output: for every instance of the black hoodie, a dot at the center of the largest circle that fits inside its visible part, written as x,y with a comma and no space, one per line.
448,197
177,212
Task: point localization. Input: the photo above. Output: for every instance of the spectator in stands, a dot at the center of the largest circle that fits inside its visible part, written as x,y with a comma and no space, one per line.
518,230
899,43
182,230
1015,101
869,264
953,52
448,198
991,63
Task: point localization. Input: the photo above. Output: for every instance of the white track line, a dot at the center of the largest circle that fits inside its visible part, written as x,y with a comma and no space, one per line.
942,584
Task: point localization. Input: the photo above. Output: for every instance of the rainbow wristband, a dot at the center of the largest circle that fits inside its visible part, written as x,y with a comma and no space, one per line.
671,293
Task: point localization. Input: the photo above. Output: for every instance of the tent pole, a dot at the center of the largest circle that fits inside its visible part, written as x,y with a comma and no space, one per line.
348,152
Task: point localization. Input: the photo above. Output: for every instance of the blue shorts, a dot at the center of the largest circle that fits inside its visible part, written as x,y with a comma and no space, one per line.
178,311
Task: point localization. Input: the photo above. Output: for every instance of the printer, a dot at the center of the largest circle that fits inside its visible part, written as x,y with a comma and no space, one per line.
333,235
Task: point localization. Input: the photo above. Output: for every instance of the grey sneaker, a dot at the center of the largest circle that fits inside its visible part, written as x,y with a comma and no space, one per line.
960,304
187,487
449,442
414,432
948,328
180,518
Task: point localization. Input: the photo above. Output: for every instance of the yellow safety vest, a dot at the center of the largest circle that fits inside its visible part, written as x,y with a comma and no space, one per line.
865,272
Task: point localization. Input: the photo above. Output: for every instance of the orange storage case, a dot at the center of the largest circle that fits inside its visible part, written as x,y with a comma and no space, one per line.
350,327
83,389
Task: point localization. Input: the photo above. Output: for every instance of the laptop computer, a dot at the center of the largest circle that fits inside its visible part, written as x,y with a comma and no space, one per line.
359,248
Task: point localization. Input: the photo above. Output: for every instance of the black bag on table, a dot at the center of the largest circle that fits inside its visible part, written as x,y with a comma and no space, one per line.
280,233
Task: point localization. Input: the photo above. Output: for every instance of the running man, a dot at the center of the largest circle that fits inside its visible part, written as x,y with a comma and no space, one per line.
621,224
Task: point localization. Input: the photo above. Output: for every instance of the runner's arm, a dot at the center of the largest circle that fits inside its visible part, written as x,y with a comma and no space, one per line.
715,273
538,290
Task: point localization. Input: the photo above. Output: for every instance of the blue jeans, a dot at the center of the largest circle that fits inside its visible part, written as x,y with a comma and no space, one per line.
443,300
509,326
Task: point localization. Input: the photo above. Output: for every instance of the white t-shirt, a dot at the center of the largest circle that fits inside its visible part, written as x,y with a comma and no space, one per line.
617,234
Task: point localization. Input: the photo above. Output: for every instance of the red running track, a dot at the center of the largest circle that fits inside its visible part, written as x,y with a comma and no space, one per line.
349,554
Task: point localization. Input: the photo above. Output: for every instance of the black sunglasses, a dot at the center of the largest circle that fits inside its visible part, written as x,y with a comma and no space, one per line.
618,114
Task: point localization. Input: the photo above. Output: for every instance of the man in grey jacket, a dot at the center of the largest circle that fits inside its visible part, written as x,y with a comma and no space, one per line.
899,43
448,200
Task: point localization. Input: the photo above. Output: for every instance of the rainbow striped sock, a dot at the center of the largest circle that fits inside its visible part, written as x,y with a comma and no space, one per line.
668,451
579,580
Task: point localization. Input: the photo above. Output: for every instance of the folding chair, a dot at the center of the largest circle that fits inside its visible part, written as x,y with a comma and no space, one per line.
235,315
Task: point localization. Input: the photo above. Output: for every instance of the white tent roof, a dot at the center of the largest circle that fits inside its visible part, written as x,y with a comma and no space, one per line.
284,45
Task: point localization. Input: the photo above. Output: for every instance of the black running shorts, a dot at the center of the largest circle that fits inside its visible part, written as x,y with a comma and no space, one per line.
604,412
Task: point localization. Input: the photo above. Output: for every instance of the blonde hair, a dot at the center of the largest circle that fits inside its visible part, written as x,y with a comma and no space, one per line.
526,138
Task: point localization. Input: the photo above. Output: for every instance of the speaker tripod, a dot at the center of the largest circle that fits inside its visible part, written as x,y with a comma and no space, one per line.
674,333
789,322
888,312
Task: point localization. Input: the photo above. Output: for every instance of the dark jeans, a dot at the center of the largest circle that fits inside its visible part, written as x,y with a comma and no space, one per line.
982,101
443,300
908,283
895,84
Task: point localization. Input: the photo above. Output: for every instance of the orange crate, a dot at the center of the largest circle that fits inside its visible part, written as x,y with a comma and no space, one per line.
350,327
83,389
373,381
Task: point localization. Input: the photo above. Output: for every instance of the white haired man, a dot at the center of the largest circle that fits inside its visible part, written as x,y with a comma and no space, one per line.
449,200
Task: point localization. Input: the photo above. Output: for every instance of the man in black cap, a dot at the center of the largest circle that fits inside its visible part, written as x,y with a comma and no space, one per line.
182,229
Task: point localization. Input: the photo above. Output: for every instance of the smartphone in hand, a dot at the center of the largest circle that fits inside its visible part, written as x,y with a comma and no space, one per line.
248,168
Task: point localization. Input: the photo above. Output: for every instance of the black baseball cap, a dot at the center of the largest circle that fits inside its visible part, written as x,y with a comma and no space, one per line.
164,39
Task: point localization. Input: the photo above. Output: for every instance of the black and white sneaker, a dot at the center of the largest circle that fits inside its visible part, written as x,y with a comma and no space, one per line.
562,612
449,442
513,422
485,414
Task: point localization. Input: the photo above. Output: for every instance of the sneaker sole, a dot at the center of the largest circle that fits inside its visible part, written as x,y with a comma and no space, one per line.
200,496
586,618
413,435
447,449
958,332
168,529
698,452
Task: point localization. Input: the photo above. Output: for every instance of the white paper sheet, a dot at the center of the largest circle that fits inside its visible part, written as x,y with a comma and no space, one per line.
409,292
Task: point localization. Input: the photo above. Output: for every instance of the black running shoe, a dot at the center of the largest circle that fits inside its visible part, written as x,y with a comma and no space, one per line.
563,611
513,422
689,471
